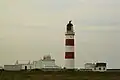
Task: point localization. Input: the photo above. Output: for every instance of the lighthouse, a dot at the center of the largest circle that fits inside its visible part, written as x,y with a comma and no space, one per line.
69,46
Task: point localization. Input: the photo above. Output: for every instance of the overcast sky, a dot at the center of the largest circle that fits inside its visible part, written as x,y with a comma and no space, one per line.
30,29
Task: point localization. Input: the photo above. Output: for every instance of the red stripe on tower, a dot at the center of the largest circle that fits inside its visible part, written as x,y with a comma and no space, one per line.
69,55
69,47
69,42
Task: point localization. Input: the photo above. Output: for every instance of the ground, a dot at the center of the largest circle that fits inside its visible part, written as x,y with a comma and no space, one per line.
39,75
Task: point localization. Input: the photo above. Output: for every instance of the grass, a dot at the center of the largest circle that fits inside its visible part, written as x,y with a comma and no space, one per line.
40,75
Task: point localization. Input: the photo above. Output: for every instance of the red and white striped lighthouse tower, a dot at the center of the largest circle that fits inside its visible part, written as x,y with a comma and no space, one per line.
69,46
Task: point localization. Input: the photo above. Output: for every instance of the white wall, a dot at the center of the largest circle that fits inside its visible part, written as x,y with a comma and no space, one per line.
69,63
36,64
49,64
1,67
102,69
44,64
89,66
12,67
29,66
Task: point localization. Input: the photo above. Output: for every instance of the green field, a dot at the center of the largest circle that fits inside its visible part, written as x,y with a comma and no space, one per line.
64,75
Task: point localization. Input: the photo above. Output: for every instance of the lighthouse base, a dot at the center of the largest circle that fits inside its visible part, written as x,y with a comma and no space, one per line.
69,63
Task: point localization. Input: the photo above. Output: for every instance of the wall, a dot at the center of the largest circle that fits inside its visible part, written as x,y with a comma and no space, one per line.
48,64
37,64
29,66
12,67
89,66
101,69
44,64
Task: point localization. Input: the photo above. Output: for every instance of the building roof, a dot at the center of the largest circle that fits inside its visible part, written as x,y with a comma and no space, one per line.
89,63
47,58
22,62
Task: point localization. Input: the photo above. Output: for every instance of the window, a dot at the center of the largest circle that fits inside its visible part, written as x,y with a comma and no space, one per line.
25,67
99,68
103,68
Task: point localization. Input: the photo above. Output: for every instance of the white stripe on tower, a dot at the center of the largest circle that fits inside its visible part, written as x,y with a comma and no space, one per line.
69,47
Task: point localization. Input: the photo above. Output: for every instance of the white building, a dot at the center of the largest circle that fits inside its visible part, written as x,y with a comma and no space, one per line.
101,67
25,64
19,65
46,62
36,64
90,66
12,67
1,67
